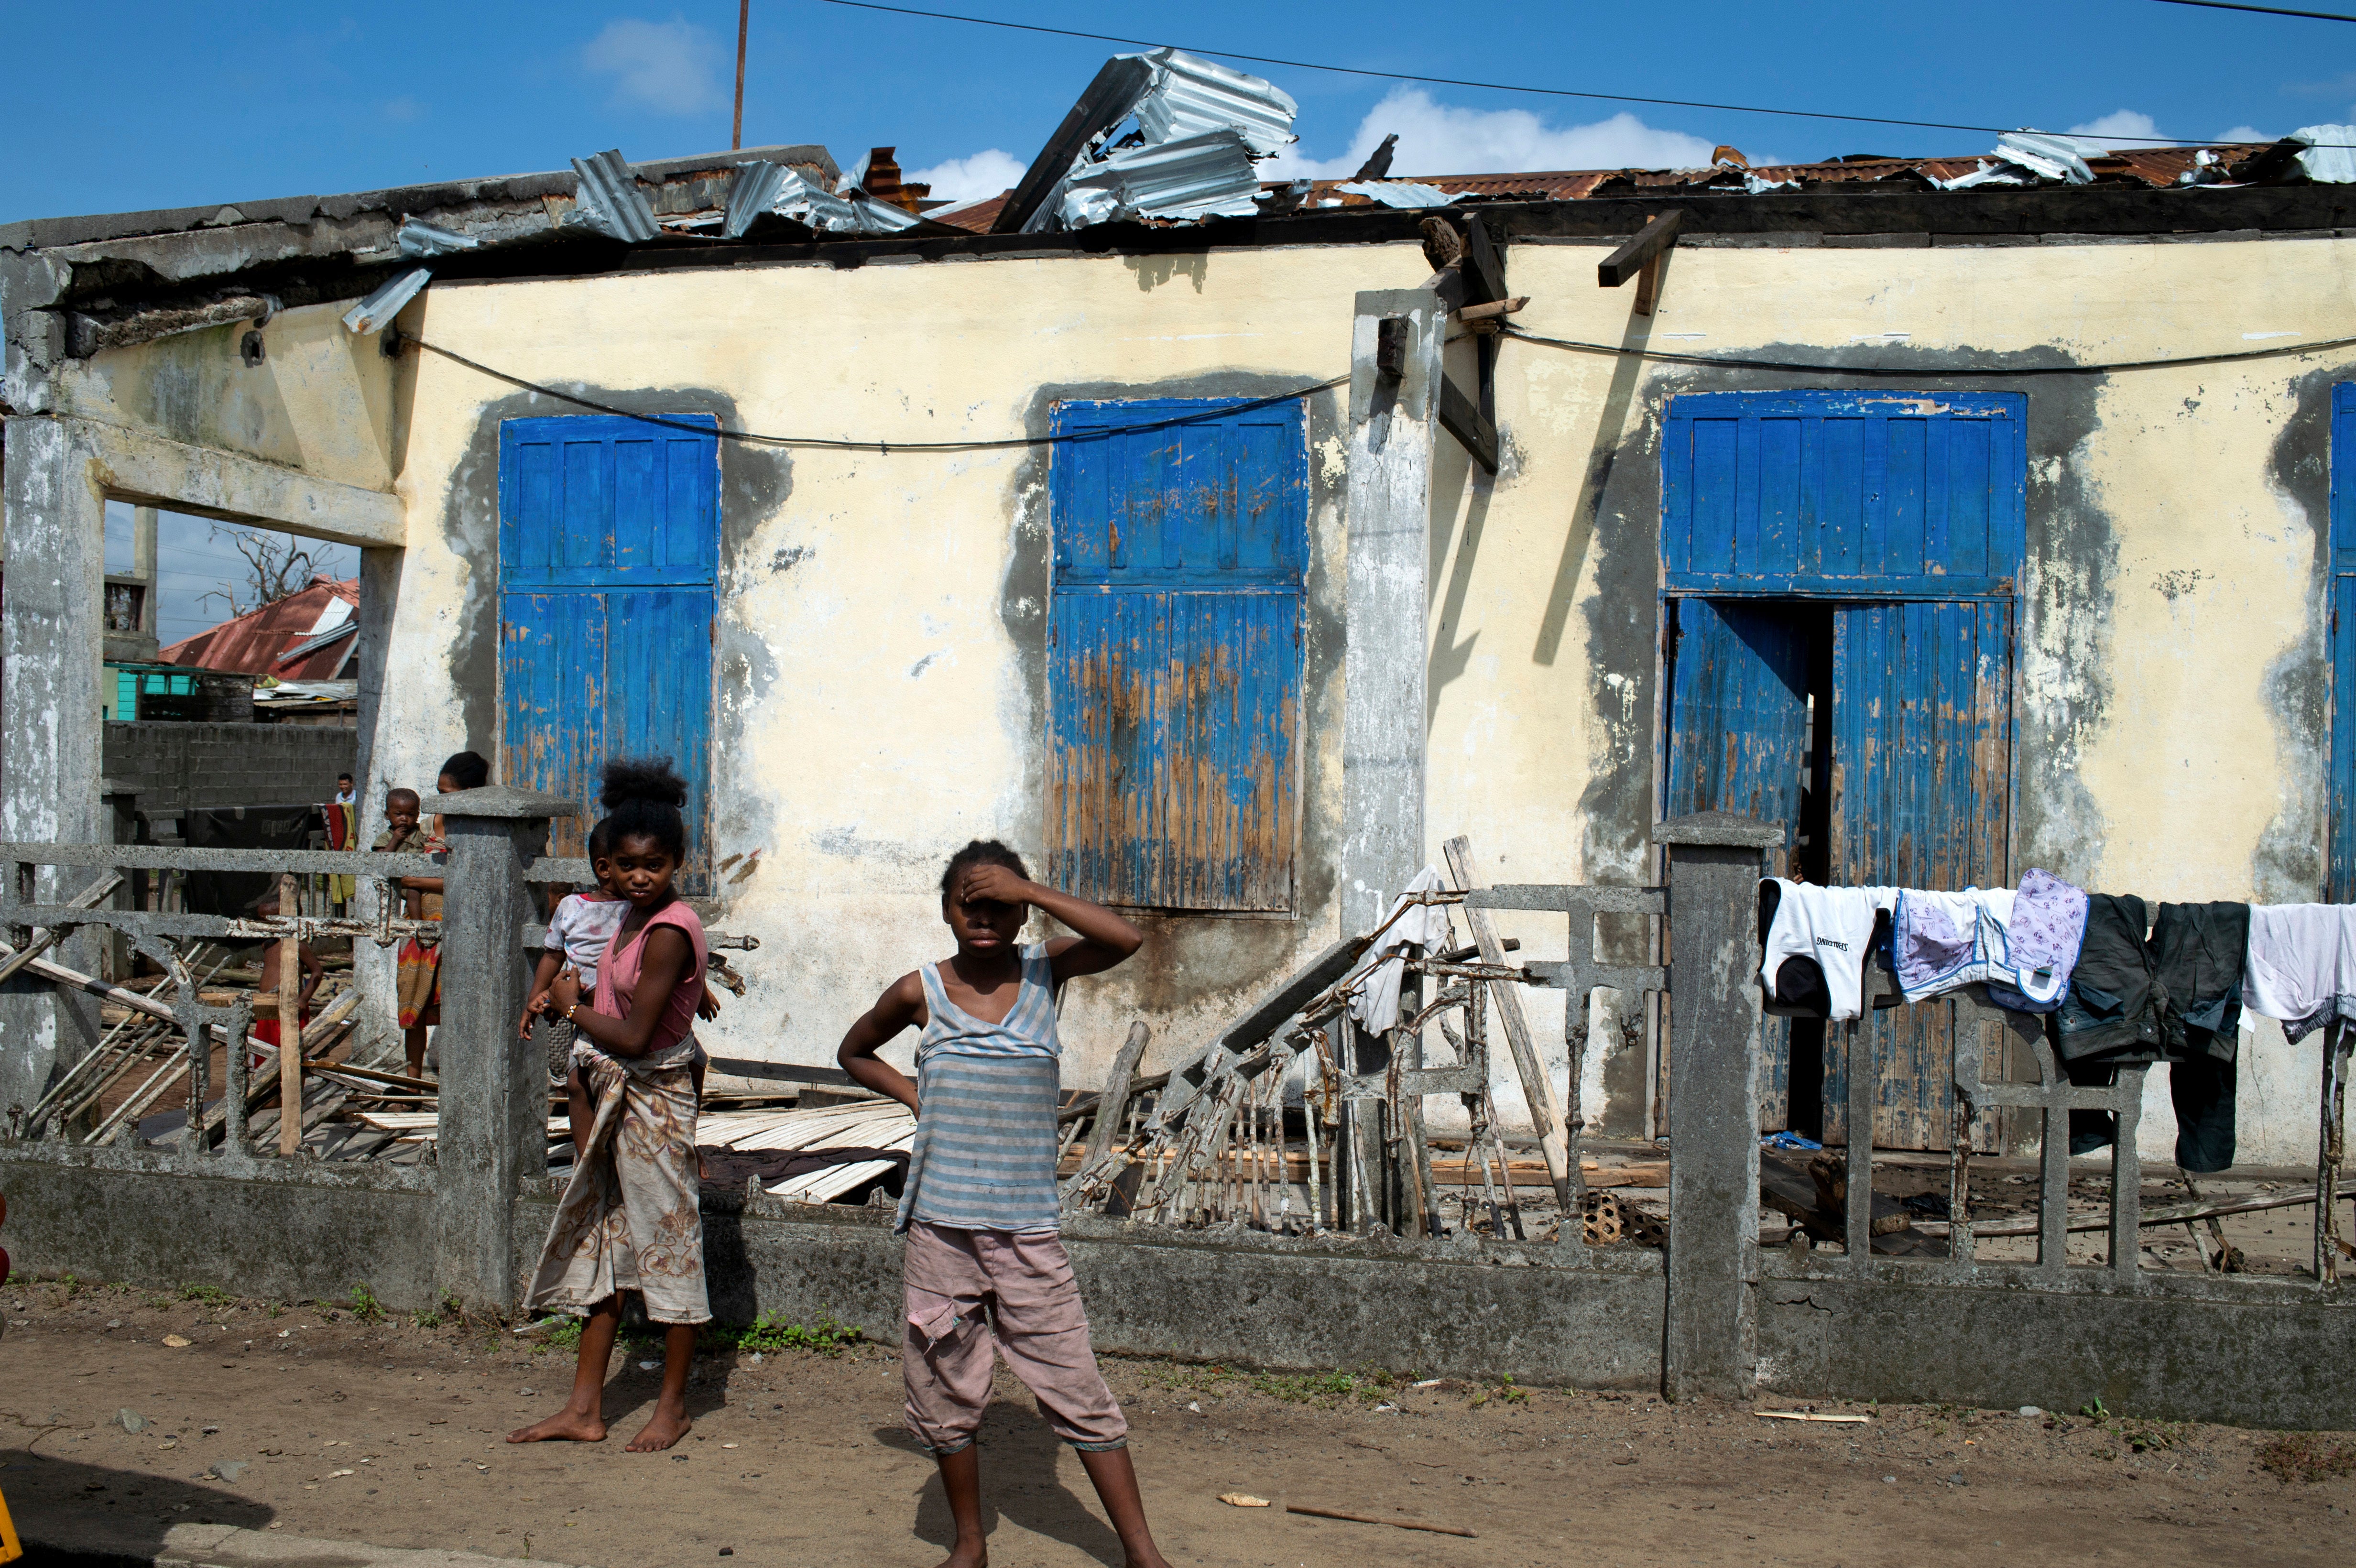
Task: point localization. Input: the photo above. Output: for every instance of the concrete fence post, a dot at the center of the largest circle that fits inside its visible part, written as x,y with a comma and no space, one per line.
493,1133
1715,862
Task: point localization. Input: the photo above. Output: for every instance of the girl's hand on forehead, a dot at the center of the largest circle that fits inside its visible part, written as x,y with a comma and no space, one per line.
991,884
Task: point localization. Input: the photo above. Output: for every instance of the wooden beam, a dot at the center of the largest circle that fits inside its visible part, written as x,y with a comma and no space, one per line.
1108,100
1484,269
290,1026
1492,309
1463,419
1632,258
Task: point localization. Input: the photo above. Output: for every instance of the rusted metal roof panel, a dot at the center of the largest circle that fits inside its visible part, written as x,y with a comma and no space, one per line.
256,641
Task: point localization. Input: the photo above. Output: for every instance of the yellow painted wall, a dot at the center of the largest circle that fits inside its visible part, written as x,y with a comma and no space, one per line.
877,710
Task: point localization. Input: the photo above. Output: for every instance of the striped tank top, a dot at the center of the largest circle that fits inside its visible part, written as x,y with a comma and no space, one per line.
984,1158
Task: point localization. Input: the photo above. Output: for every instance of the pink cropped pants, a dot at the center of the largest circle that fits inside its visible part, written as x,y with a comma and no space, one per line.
968,1291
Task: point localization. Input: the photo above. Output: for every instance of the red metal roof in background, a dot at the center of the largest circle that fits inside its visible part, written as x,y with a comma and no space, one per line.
257,642
2153,168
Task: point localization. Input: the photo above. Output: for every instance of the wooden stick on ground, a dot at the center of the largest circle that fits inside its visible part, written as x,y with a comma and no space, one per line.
1371,1518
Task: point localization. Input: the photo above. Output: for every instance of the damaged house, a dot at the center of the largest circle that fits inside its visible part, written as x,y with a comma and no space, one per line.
1228,544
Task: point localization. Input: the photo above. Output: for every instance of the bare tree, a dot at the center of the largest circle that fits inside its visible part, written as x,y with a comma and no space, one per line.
275,567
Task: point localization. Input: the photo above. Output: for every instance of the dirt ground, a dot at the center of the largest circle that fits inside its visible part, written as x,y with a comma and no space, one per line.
308,1419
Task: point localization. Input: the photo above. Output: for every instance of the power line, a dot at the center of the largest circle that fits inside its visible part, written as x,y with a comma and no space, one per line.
1921,373
2263,10
832,443
1492,86
1723,362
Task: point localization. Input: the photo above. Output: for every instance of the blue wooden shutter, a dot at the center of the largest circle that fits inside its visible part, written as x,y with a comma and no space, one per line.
1738,742
1824,493
1922,794
1174,654
609,544
1738,712
2341,609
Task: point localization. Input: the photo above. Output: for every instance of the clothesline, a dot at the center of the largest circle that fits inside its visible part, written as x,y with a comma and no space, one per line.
2120,982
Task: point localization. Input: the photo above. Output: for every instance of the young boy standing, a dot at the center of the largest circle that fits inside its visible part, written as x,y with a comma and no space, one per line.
419,971
984,1265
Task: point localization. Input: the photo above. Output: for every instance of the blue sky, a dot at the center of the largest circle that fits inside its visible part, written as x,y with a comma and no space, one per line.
176,105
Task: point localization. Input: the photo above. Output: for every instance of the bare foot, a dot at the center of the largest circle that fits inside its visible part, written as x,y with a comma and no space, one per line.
566,1425
978,1556
665,1428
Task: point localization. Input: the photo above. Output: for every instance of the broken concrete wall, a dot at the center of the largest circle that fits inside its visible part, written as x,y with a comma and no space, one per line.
321,400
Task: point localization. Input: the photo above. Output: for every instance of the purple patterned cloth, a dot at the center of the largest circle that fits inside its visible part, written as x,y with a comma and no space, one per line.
2042,938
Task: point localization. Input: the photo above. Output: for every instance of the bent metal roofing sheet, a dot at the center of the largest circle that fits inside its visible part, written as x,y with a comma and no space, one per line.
2146,168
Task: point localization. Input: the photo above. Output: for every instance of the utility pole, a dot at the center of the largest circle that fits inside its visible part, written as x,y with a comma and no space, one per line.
744,22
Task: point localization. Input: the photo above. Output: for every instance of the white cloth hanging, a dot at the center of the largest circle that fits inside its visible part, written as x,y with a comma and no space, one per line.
2300,969
1834,926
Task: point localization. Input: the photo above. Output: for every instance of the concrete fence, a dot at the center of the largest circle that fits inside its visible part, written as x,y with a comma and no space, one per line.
1716,1313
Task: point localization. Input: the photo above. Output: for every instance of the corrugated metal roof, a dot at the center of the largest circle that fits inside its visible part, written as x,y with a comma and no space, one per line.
609,200
1209,176
2151,167
258,642
1192,95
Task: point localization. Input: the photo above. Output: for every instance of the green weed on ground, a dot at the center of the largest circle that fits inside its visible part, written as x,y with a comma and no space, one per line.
209,1295
2306,1457
769,1333
364,1305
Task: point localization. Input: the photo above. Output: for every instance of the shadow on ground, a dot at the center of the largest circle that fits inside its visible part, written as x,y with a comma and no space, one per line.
69,1513
1019,1485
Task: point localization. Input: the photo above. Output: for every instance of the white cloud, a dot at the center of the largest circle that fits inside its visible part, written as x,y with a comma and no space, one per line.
986,173
668,67
2244,134
1439,139
2124,128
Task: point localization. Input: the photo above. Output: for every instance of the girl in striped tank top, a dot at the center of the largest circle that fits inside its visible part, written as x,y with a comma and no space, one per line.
983,1265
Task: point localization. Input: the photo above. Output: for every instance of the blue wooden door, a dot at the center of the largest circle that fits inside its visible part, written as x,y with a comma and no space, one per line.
2340,884
608,552
1921,799
1906,512
1174,654
1739,741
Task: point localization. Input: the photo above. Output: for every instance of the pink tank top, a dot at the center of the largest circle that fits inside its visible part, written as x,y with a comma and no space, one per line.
617,976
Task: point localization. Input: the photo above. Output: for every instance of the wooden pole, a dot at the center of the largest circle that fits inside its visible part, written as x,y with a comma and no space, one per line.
1546,1117
290,1026
744,25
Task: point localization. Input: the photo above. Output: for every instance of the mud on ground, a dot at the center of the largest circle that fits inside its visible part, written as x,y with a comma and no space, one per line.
325,1422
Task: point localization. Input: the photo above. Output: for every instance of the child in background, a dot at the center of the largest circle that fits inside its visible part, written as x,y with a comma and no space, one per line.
578,931
631,1217
265,992
420,964
983,1264
419,985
